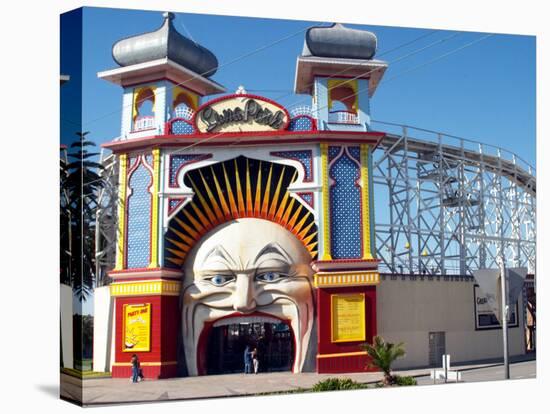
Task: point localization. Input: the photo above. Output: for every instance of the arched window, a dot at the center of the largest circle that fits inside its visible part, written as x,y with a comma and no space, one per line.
184,106
144,109
343,102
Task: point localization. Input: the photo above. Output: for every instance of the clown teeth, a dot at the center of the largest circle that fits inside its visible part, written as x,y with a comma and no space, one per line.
245,319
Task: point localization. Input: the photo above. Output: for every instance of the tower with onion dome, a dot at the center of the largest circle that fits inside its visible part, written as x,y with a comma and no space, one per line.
337,68
164,76
235,211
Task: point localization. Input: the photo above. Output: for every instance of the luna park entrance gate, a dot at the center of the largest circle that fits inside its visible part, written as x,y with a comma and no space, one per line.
275,344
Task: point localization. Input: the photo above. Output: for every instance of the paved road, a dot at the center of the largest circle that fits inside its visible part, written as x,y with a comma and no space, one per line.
118,390
518,370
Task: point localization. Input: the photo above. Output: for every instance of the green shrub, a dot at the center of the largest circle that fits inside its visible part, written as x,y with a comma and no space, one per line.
333,384
398,380
382,355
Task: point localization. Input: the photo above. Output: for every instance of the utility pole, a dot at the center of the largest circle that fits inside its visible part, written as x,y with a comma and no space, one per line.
504,317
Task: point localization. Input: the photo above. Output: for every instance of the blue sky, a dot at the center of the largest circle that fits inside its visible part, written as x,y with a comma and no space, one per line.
484,92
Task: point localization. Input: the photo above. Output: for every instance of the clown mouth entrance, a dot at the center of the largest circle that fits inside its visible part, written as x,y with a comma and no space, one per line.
229,337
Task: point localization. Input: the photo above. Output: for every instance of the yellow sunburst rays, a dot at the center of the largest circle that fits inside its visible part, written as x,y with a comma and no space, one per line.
265,204
258,196
273,208
282,206
204,203
235,203
217,211
239,189
226,211
230,196
249,210
184,244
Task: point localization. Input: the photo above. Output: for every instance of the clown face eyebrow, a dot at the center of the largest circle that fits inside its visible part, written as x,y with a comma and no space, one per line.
273,249
218,254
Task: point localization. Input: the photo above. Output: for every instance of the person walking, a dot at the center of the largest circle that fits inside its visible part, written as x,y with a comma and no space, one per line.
135,368
247,360
255,360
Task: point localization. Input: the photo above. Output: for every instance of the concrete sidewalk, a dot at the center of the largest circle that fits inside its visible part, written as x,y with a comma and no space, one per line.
117,390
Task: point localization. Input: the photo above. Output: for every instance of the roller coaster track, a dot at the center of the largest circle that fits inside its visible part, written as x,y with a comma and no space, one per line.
455,205
444,205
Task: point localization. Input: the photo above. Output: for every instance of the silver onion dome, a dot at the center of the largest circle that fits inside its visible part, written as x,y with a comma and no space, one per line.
337,41
165,42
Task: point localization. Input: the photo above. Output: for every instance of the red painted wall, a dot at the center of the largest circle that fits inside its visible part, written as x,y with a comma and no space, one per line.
324,343
165,317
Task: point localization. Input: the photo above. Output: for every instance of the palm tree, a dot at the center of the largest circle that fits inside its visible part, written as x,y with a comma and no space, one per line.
382,355
64,221
80,184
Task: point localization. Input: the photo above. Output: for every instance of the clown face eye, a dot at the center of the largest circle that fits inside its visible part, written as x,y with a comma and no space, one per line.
219,280
270,277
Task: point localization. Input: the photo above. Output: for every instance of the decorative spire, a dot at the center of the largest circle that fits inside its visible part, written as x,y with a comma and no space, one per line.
338,41
165,42
241,90
168,15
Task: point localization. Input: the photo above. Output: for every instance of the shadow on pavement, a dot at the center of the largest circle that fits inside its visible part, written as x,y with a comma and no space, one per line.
49,389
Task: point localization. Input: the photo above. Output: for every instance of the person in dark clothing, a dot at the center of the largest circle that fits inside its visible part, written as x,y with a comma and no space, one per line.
247,360
255,360
135,368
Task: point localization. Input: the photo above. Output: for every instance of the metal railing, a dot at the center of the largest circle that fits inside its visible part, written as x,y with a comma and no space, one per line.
144,122
450,205
343,117
183,112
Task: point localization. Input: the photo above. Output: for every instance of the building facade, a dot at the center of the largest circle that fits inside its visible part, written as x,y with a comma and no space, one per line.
243,223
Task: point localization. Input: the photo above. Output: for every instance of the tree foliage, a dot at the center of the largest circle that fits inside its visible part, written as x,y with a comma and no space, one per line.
334,384
80,182
382,355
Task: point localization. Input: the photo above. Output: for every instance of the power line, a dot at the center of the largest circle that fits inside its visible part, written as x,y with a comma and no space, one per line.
287,91
186,31
179,150
368,72
425,64
198,142
169,88
439,57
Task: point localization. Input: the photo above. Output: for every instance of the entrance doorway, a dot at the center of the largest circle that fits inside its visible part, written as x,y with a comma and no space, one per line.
437,348
226,345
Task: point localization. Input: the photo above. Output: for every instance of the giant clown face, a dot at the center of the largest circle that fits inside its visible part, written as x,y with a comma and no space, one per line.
248,269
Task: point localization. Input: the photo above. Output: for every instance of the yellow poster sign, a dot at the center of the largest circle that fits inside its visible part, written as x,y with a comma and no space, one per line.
348,317
137,328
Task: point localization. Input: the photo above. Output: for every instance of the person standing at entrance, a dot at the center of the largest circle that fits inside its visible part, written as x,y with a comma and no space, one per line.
247,360
135,368
255,360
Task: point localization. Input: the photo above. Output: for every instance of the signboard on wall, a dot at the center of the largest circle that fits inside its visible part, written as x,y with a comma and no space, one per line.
485,317
241,113
137,327
348,317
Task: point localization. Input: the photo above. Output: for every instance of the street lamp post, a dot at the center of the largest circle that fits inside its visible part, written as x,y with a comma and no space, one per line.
504,317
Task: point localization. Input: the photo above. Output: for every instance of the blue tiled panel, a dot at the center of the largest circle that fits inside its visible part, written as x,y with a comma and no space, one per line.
173,203
333,152
132,161
300,123
182,128
303,156
308,197
149,159
345,209
176,161
355,152
139,216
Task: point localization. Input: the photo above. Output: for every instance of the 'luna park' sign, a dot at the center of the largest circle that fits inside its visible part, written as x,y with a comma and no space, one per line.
241,113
